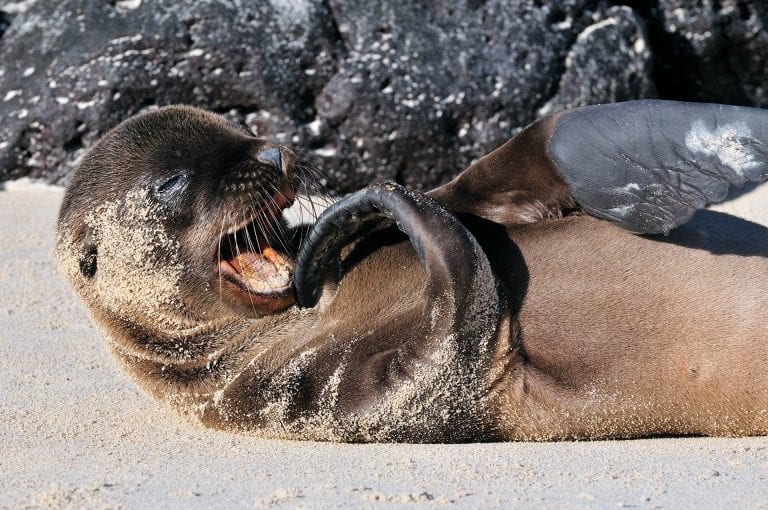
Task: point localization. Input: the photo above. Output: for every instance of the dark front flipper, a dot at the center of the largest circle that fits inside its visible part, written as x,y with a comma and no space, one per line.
645,165
461,297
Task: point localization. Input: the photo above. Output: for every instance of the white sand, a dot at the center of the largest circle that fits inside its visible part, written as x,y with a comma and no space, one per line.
75,433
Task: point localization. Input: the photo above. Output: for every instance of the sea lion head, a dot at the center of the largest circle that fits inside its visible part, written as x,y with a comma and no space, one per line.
174,218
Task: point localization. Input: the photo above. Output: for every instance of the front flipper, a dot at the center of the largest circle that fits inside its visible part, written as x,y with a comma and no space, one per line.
645,165
461,290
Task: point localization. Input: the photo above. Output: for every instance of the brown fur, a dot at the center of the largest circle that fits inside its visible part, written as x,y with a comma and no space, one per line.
581,330
516,183
638,336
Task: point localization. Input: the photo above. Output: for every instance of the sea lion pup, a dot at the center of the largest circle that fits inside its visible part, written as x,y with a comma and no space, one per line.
496,307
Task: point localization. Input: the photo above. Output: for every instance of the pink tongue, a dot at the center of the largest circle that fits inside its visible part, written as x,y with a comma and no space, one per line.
251,265
261,274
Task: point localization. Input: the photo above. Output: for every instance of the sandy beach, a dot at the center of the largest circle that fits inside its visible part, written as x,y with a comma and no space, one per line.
76,433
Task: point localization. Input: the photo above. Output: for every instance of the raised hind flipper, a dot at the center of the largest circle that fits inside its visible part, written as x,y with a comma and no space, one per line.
646,165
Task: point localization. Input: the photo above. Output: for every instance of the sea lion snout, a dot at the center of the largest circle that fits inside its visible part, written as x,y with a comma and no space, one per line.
271,156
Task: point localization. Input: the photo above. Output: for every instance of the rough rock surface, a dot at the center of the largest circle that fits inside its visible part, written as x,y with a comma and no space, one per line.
403,90
711,50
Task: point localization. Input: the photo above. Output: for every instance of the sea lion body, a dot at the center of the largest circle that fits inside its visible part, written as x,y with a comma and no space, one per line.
651,358
407,320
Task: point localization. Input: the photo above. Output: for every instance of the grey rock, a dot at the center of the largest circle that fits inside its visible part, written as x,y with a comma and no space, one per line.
425,88
610,61
72,70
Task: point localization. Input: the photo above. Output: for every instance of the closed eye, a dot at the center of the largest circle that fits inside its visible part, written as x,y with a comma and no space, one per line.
168,188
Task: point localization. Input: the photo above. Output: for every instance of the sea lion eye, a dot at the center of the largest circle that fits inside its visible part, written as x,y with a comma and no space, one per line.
172,186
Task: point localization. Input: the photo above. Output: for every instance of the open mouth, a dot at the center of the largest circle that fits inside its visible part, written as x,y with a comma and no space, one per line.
253,257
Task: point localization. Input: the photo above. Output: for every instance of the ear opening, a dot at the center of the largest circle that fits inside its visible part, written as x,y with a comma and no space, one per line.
88,255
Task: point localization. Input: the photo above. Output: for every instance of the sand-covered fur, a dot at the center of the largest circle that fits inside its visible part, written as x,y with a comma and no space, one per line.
478,313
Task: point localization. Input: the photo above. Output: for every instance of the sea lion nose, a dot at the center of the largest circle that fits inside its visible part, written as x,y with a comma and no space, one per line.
271,156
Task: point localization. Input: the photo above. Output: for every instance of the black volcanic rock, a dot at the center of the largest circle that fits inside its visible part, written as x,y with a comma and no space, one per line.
609,61
403,90
73,69
426,87
711,51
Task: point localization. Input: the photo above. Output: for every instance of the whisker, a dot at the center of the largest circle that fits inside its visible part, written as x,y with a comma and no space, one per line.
218,256
260,222
237,250
278,233
313,193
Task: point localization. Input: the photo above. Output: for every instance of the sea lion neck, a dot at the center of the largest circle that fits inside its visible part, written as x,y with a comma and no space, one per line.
191,343
205,357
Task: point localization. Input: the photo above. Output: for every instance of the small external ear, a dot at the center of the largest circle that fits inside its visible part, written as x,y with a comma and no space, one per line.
88,253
